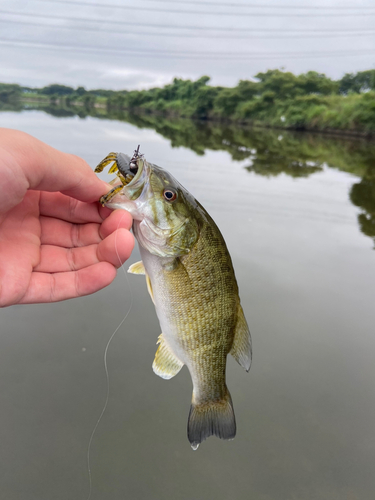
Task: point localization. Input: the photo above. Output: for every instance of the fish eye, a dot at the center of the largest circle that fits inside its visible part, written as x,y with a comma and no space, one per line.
170,194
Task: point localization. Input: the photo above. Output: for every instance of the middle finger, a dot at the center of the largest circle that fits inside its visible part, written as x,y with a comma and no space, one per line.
64,234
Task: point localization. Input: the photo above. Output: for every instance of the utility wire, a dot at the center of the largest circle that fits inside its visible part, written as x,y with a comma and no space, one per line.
168,26
259,6
192,35
230,56
210,13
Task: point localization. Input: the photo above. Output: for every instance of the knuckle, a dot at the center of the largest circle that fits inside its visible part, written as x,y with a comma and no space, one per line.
71,259
73,204
75,235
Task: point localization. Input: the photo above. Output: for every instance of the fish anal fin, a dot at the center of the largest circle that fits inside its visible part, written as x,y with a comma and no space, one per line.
241,349
213,418
165,364
137,268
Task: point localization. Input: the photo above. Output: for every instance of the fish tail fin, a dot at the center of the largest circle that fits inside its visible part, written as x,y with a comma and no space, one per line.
214,418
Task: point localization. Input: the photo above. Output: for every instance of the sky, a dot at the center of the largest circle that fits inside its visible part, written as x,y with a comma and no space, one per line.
125,44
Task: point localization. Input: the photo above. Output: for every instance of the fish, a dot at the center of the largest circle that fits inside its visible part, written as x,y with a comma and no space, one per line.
191,281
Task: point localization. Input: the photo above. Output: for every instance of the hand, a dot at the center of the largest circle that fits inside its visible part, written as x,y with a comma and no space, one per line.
56,241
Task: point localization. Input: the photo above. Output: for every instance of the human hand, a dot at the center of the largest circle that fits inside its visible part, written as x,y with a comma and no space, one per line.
56,241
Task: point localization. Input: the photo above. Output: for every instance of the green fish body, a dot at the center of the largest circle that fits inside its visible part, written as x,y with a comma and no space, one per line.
191,281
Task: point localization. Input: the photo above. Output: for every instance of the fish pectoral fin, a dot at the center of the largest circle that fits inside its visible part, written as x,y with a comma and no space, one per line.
149,288
165,364
241,348
137,268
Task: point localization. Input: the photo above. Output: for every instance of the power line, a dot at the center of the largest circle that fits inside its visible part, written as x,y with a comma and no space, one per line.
168,26
191,35
210,13
258,6
231,56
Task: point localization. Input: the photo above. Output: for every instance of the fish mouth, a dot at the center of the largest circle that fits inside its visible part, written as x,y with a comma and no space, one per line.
129,179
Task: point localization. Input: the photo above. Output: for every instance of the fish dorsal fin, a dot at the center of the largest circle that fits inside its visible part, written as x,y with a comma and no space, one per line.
241,348
165,364
137,268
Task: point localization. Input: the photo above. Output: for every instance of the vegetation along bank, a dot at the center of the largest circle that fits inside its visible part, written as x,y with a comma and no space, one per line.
309,101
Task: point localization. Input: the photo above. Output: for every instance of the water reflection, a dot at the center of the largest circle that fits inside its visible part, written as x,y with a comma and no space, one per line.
306,275
275,152
362,194
269,152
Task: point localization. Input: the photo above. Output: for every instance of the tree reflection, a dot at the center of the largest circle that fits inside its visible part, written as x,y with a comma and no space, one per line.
268,152
273,152
362,195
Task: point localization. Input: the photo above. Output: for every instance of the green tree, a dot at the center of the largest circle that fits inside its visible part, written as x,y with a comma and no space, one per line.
9,93
203,101
362,81
56,89
283,84
317,83
247,89
226,101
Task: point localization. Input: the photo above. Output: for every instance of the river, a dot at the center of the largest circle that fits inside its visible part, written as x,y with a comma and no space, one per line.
298,215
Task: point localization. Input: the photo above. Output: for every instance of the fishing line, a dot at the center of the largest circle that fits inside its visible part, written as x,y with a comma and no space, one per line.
106,367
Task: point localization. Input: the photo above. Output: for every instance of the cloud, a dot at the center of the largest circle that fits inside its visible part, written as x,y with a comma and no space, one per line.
133,78
74,44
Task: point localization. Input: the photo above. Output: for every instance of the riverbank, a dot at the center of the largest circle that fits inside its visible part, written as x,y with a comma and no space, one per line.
277,99
272,122
352,114
343,118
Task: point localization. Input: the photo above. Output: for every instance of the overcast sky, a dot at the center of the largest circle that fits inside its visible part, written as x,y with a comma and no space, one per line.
125,44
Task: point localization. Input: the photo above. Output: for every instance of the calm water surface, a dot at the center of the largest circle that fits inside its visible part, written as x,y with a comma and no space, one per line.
298,214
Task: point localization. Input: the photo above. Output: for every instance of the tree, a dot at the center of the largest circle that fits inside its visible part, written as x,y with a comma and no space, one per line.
57,89
203,101
317,83
227,101
247,90
286,85
9,93
283,84
362,81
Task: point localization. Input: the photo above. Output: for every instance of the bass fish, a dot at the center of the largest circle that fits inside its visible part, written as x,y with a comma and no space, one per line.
191,281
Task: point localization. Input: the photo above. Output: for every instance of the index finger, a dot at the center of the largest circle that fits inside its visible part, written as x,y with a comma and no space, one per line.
61,206
48,169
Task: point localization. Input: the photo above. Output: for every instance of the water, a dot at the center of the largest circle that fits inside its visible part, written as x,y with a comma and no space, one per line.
297,212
